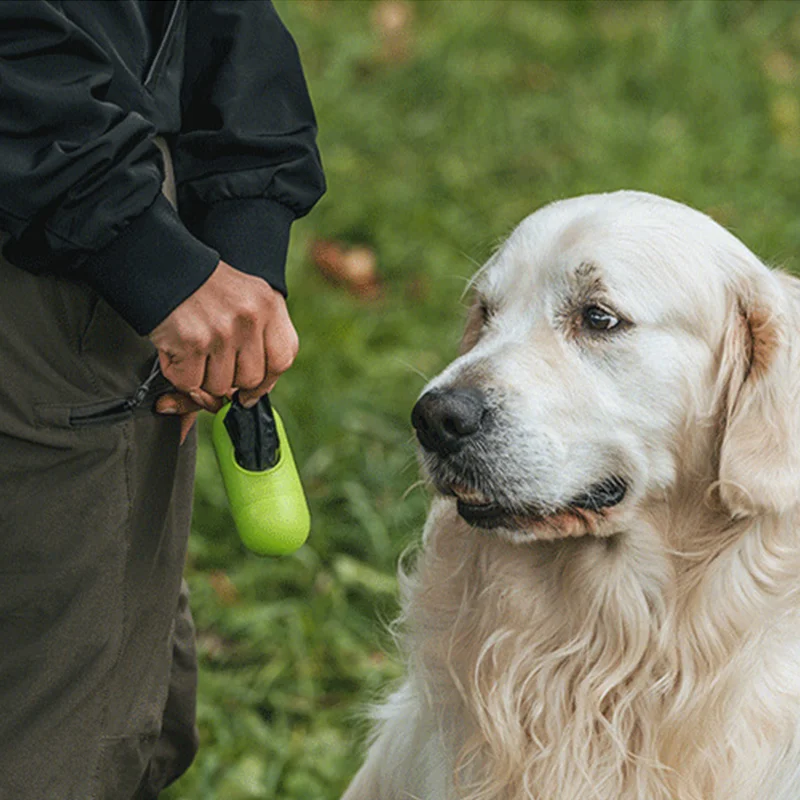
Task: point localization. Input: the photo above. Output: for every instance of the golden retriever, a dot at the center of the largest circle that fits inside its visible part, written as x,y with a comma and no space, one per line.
606,605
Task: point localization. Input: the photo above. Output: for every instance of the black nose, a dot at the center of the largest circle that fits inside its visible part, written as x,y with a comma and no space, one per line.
445,419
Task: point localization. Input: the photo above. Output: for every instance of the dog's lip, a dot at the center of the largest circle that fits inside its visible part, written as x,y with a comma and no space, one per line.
604,494
490,515
470,496
479,510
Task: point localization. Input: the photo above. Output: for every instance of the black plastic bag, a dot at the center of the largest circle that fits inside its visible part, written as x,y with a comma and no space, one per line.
253,434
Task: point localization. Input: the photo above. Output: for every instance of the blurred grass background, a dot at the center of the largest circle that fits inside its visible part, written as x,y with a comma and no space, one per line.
442,124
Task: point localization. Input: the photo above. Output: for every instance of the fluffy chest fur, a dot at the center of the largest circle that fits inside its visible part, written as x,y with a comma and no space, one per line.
608,669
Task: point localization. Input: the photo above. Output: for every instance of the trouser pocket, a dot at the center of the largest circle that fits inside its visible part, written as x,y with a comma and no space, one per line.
109,412
62,348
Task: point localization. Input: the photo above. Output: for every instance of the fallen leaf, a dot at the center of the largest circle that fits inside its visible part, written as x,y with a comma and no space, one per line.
355,267
224,588
391,21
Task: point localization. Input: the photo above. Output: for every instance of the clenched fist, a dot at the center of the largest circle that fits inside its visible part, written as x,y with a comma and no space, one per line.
233,333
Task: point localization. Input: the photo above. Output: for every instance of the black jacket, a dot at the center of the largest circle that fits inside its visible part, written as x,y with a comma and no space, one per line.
84,89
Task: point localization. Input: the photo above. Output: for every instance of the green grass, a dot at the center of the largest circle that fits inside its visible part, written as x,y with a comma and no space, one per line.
499,107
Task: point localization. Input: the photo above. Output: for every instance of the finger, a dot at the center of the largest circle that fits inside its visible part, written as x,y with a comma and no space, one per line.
281,345
176,403
281,350
248,398
208,401
187,423
251,364
220,369
184,372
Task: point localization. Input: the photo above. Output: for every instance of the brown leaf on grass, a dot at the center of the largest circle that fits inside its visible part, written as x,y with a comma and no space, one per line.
355,267
224,588
391,22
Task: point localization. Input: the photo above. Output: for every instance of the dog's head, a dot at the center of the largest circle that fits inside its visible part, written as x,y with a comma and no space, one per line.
618,346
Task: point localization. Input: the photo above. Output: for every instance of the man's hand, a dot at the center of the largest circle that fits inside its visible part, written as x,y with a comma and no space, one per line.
233,333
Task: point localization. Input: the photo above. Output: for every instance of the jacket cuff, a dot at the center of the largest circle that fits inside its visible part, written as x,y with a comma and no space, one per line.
252,235
151,267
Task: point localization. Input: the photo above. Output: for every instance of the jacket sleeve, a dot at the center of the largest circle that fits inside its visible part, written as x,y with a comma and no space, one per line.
80,178
246,160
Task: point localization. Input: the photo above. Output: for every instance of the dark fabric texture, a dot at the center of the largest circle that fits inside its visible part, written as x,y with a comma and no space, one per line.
98,674
86,88
127,270
228,228
248,128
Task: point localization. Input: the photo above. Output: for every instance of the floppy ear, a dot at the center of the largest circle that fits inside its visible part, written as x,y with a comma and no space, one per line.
759,467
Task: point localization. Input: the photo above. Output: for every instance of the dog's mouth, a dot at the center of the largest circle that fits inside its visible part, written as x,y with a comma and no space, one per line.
481,511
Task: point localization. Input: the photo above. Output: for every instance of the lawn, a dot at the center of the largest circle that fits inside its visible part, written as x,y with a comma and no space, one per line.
442,124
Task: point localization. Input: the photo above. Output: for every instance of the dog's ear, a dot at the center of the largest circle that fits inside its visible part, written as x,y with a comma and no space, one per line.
759,460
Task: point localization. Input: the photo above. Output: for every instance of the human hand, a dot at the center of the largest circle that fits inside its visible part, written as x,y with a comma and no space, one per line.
233,333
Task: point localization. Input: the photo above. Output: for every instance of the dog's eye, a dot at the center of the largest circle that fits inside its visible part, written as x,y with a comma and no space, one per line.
599,319
486,312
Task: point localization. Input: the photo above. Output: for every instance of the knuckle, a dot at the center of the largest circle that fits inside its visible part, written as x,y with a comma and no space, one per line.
250,309
186,330
197,341
223,329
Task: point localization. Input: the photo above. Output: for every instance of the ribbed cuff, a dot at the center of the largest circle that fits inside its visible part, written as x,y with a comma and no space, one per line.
251,235
151,267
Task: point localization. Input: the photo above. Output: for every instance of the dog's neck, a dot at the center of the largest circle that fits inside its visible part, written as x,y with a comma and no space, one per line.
596,667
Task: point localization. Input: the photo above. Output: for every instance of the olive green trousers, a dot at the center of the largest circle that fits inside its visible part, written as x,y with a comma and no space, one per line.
97,659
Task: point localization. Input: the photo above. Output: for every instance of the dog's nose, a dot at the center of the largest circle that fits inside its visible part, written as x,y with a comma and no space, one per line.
445,419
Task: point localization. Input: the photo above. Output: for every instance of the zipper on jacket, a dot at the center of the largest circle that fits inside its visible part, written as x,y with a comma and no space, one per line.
164,47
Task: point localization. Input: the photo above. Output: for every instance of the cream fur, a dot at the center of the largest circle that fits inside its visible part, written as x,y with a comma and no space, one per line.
648,653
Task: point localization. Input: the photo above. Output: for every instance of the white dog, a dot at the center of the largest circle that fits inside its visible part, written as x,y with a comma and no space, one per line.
607,602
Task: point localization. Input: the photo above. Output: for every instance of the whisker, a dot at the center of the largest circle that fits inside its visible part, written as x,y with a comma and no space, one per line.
421,483
411,367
